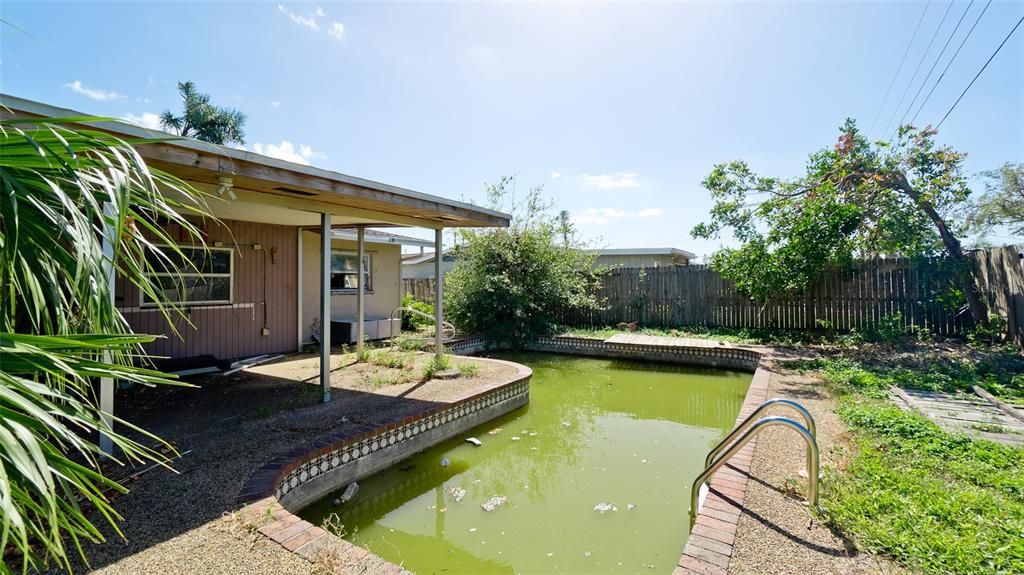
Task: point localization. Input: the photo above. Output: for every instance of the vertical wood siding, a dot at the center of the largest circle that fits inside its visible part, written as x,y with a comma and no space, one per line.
261,286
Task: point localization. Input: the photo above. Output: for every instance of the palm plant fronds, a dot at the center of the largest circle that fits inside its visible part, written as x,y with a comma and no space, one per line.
77,206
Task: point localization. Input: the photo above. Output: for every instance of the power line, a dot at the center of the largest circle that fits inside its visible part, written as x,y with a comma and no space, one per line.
916,70
936,62
950,63
951,108
900,67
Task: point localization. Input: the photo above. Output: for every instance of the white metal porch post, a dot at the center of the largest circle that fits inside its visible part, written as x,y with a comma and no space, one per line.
107,383
361,290
325,306
438,295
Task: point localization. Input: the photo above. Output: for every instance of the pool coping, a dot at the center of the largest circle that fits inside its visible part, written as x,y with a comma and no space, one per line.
708,549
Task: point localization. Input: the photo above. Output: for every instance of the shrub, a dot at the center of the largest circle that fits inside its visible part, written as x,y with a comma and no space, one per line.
437,364
414,321
512,284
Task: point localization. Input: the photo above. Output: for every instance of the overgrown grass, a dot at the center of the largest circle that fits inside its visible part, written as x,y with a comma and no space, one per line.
468,369
392,359
438,363
1000,374
936,501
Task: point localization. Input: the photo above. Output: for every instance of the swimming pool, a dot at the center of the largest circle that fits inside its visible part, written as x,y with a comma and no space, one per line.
592,476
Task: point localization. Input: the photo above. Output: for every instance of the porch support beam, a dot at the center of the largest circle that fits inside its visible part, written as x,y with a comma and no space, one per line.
107,383
325,305
438,295
361,290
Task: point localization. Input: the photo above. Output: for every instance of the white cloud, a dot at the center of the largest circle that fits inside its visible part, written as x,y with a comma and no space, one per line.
602,216
611,181
307,21
319,12
275,104
146,120
96,94
301,154
556,175
337,30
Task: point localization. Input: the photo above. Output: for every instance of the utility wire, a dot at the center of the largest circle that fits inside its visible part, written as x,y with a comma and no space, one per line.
900,67
953,107
950,63
916,70
935,63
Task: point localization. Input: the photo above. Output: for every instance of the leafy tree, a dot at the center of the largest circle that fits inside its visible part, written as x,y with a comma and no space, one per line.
202,120
66,189
1002,204
511,284
856,198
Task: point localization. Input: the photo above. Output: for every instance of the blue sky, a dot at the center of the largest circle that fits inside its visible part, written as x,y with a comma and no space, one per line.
619,111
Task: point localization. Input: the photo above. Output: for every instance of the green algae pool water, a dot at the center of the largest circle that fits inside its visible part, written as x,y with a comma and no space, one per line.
596,431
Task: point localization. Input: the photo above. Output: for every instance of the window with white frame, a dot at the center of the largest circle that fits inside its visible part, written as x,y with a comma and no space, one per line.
196,276
345,272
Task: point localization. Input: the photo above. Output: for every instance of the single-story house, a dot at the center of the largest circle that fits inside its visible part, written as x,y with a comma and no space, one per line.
421,265
642,257
275,262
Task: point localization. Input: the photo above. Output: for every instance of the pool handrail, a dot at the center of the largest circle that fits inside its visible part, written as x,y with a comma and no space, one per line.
808,423
812,460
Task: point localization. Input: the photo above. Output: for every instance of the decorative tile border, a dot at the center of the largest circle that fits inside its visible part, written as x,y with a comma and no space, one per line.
705,355
304,474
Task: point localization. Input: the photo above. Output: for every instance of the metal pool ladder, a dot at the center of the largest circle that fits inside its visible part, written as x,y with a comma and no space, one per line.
744,432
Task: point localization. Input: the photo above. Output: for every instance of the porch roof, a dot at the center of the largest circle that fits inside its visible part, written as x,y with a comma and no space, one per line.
266,181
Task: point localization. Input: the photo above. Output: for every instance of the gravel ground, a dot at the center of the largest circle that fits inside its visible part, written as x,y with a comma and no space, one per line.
776,533
177,523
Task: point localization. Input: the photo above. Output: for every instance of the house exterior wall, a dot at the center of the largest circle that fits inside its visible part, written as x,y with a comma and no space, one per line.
426,269
263,295
386,260
640,260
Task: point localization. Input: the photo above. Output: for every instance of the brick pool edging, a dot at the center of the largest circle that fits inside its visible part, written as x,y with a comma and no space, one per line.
708,550
354,454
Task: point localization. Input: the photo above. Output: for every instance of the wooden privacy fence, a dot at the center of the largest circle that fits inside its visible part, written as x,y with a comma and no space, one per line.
918,293
420,288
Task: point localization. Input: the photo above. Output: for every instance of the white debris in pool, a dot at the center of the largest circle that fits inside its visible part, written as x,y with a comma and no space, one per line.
515,438
474,441
494,431
445,462
494,502
586,553
630,506
457,493
605,507
566,424
349,493
472,529
551,554
643,461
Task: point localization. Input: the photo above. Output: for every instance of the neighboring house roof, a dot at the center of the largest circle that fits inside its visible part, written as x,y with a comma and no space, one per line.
271,181
379,237
413,259
644,252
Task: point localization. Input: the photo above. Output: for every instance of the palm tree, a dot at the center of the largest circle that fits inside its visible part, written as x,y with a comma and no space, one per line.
77,205
204,121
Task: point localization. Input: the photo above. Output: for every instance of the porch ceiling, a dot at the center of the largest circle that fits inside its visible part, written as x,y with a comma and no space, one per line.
266,181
